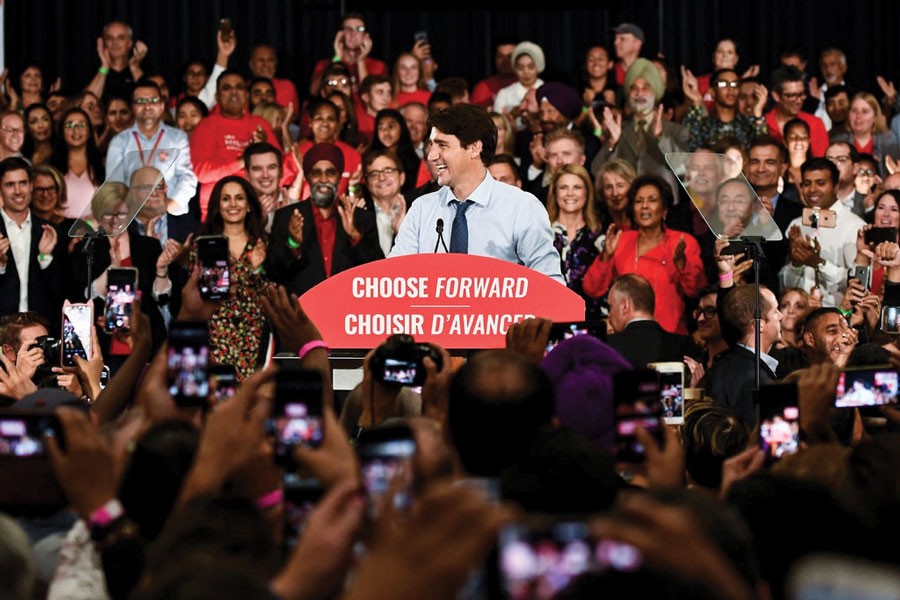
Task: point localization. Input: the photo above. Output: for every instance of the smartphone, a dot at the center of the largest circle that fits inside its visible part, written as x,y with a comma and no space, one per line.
215,276
863,274
597,106
568,329
421,36
105,374
188,360
77,332
671,390
296,417
121,287
867,386
833,577
225,28
779,420
876,235
300,497
28,485
819,217
636,398
223,382
538,557
890,319
386,453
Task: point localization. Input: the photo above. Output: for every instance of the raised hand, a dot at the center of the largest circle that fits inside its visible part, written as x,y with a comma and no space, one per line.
4,250
346,209
679,258
295,227
611,243
48,240
890,92
658,120
612,123
690,86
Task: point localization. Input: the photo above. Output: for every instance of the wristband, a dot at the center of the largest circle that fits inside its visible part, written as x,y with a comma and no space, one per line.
270,500
336,58
353,189
310,346
726,276
103,71
846,313
598,132
294,245
585,109
106,514
163,276
43,256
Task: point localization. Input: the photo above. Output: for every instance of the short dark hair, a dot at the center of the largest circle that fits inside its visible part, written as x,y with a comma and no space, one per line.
197,103
785,74
15,163
638,290
820,163
146,82
227,73
831,92
11,326
506,159
865,157
665,190
370,156
469,123
256,80
718,73
851,149
768,140
817,313
260,148
738,312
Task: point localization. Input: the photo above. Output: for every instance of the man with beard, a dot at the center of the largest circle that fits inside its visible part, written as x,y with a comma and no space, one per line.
644,140
707,129
314,240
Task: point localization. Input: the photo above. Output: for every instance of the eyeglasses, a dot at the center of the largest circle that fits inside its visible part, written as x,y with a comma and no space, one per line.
729,84
337,82
866,172
358,28
121,216
75,124
143,101
793,95
707,312
40,191
838,159
159,187
383,172
15,130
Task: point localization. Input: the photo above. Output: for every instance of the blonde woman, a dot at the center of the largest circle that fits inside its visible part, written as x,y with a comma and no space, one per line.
868,131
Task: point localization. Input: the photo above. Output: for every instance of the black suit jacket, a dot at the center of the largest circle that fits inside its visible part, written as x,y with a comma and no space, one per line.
731,379
643,342
301,270
44,285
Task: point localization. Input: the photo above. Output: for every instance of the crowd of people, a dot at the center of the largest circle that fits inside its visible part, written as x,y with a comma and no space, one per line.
744,228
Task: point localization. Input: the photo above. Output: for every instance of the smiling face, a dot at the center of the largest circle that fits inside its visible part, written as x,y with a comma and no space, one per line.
735,203
324,123
571,194
597,63
649,209
12,132
388,131
764,167
264,173
384,178
231,95
704,172
862,117
118,42
40,124
707,326
44,196
823,339
148,107
188,117
91,106
263,62
15,188
76,130
818,188
408,71
790,98
233,204
797,140
615,191
641,97
833,68
887,212
118,115
526,70
725,55
31,81
416,118
563,151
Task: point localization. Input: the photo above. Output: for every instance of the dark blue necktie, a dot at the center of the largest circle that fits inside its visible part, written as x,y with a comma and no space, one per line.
459,233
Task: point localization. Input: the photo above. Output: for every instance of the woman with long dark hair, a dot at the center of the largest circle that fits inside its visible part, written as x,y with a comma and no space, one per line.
38,146
239,329
77,157
392,133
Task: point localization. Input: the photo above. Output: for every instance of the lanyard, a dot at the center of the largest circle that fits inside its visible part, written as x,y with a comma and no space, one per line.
141,149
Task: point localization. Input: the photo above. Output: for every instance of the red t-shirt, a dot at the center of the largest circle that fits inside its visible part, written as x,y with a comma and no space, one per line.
818,135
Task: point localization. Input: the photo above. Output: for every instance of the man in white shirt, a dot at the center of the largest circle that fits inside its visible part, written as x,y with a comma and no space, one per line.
150,142
828,267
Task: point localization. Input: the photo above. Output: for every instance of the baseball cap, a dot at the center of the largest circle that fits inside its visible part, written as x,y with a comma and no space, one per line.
630,28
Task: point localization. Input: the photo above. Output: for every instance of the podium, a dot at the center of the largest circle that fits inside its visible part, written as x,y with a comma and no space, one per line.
459,301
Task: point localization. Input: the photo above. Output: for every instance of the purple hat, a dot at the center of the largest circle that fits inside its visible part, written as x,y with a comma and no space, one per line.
581,370
563,98
323,151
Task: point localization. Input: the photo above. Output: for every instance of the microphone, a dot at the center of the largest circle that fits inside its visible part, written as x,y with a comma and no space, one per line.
439,228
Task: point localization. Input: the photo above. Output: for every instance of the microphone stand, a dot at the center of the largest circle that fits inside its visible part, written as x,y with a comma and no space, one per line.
88,252
752,246
439,228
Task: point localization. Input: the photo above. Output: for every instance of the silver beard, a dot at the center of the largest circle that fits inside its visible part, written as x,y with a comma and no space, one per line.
324,194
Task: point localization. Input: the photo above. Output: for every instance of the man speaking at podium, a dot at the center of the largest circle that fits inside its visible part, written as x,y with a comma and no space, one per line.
482,216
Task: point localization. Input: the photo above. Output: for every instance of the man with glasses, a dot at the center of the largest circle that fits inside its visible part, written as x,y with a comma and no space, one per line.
384,178
708,334
29,254
149,142
12,134
707,129
352,45
789,92
846,158
330,233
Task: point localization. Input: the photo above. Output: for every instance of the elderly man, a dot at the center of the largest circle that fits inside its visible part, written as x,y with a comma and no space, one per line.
314,240
628,41
263,64
120,62
149,142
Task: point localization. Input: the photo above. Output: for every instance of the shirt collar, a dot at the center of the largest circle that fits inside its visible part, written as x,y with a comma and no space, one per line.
480,195
7,220
770,360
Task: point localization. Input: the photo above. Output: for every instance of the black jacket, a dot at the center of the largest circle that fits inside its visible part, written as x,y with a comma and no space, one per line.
643,342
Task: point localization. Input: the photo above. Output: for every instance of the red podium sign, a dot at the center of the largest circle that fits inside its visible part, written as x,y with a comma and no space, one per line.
458,301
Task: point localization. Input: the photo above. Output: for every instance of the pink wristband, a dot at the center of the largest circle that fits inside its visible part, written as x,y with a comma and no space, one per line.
107,513
726,276
267,501
310,346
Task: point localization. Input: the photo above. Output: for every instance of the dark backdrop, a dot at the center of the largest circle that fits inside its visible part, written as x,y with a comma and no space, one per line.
61,34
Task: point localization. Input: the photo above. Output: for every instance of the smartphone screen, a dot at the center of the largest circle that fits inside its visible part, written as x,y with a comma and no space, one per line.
22,435
77,328
28,484
223,382
188,363
537,560
779,424
565,330
400,371
121,286
300,498
890,319
671,391
386,453
637,404
866,387
296,417
215,276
